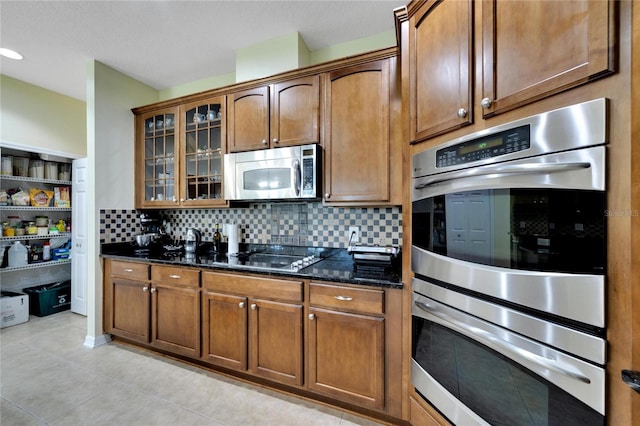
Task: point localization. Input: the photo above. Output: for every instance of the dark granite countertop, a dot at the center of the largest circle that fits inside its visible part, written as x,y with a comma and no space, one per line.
336,265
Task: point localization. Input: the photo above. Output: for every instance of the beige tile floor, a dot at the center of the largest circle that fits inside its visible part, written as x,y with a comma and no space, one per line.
48,377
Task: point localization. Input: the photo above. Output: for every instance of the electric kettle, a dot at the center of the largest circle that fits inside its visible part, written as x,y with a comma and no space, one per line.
192,240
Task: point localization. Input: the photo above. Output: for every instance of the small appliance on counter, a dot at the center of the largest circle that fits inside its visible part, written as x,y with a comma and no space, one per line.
374,257
149,222
192,240
149,235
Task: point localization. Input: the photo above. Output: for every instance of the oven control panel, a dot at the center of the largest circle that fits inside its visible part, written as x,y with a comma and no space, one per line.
490,146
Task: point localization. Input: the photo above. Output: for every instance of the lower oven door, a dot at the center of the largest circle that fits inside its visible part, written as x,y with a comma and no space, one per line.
475,372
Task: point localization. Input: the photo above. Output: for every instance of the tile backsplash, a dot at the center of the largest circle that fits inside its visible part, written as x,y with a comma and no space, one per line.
304,224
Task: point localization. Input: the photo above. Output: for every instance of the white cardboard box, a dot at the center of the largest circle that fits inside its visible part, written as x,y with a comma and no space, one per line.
14,308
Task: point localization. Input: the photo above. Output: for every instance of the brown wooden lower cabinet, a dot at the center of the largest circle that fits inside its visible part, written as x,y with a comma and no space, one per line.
257,325
224,330
127,300
129,314
346,330
275,341
420,416
346,356
163,311
243,329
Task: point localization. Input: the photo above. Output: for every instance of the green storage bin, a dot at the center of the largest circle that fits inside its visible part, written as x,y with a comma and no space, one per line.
48,299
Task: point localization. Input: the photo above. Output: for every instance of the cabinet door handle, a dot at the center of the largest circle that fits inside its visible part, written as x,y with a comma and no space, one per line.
128,270
241,305
485,103
312,317
275,140
327,195
462,113
264,141
345,298
175,277
182,200
145,288
253,306
153,290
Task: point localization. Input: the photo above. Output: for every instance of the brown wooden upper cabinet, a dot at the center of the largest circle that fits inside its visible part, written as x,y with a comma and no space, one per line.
202,148
157,165
357,140
282,114
528,51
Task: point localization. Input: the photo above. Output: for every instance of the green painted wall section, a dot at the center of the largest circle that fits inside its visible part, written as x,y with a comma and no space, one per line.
279,55
110,97
354,47
39,118
198,86
270,57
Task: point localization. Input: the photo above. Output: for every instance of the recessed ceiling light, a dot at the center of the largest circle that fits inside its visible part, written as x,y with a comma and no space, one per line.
12,54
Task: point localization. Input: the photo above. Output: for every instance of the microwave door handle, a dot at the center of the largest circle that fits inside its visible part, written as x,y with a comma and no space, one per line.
295,169
501,170
484,336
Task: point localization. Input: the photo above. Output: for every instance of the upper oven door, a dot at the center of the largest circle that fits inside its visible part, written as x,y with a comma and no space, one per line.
529,231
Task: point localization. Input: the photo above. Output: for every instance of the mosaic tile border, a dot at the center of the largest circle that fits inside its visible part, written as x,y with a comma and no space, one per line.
305,224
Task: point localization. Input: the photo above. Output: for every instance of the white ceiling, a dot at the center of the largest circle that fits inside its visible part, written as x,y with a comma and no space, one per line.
167,43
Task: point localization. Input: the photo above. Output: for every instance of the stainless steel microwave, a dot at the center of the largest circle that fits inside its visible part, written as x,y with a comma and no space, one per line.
289,173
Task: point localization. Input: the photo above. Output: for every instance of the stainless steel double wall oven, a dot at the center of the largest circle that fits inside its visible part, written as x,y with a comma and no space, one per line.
509,257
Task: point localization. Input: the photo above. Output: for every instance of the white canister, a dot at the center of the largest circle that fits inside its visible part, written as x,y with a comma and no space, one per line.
7,165
36,169
51,170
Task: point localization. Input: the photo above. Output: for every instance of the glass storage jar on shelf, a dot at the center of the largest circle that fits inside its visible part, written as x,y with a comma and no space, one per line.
159,152
204,136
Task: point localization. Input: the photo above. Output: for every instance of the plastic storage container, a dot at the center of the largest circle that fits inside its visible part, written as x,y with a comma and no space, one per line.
51,170
49,298
7,165
14,308
36,169
64,171
18,255
20,166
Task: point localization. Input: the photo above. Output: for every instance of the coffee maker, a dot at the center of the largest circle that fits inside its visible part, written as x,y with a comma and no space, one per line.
149,222
192,241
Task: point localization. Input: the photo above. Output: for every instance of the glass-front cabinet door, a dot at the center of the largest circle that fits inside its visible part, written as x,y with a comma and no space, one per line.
204,141
157,167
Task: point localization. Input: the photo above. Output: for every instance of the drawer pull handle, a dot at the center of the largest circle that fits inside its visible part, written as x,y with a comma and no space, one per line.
175,277
345,298
128,270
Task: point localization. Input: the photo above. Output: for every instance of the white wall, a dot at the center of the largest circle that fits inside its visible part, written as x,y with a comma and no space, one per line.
38,118
110,153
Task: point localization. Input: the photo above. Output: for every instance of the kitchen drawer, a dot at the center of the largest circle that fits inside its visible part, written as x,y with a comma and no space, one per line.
175,276
347,298
130,270
265,288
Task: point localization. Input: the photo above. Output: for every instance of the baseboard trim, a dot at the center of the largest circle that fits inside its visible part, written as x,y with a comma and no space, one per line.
94,342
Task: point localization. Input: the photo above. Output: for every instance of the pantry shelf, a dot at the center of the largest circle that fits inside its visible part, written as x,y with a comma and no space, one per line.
37,265
37,237
36,209
35,180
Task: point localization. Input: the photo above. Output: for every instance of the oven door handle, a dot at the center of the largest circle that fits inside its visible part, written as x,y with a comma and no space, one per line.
485,336
502,170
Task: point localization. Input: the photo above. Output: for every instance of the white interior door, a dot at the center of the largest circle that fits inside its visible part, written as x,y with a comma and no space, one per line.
79,225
